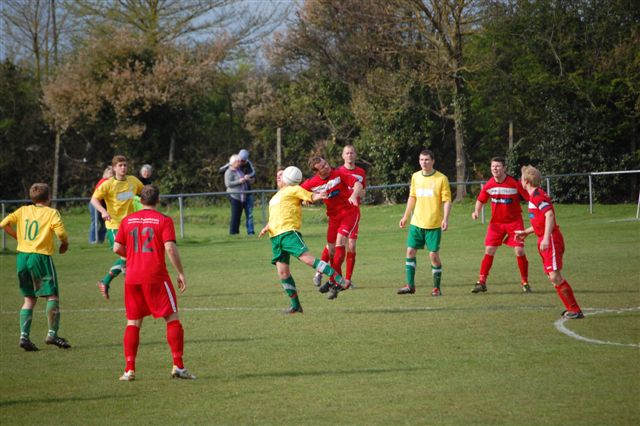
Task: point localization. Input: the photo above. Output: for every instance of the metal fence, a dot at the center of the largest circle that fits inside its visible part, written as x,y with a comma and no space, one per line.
262,195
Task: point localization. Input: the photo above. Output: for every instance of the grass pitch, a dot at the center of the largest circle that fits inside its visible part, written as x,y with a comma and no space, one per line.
369,357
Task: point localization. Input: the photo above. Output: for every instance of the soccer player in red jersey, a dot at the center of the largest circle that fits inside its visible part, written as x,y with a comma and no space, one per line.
349,167
550,240
143,238
343,192
505,194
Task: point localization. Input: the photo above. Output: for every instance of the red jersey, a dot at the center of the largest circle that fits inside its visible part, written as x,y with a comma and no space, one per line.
539,204
505,199
144,234
358,173
338,187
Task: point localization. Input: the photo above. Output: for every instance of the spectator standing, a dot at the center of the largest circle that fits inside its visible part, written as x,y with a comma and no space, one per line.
236,183
430,202
146,172
97,229
249,171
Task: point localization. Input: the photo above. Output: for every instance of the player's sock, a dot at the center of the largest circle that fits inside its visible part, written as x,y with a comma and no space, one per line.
325,254
523,265
565,292
114,271
485,267
338,259
322,266
131,341
351,262
53,316
289,286
26,315
410,270
436,271
175,338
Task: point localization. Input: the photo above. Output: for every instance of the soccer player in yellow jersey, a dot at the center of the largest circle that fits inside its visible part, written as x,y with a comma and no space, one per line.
35,226
285,221
430,202
118,194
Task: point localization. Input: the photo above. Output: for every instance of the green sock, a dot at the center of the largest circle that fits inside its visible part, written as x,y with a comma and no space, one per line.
53,316
437,275
25,322
323,267
410,269
289,286
115,270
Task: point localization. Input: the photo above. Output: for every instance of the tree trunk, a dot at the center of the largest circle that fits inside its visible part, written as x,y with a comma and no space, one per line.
172,147
56,169
461,158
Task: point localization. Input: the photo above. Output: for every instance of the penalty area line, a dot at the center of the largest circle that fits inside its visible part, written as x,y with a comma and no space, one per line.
561,327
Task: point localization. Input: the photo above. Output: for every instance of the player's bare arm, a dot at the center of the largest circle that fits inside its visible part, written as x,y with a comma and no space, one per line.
411,203
521,235
64,246
119,249
264,230
357,190
9,230
476,211
445,220
98,206
549,224
174,257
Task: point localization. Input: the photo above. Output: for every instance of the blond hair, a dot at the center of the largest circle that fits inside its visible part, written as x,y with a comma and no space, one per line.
531,175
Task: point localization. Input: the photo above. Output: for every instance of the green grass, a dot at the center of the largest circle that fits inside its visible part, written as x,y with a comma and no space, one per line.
369,357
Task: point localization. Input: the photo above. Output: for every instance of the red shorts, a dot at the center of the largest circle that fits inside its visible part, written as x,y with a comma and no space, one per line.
157,299
345,223
504,233
552,256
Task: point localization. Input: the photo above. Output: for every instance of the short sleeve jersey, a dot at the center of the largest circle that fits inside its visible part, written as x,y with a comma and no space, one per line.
358,173
143,234
285,209
539,204
505,199
35,227
118,194
337,185
430,192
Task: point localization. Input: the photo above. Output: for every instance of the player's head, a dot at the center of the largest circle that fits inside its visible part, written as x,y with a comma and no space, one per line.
146,171
349,154
320,167
119,164
108,172
149,195
498,169
39,193
427,160
532,176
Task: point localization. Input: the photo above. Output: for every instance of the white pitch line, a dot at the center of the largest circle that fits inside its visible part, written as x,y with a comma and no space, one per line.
560,326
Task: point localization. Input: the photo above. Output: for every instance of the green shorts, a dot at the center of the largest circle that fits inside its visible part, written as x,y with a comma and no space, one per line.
286,244
419,237
36,275
111,237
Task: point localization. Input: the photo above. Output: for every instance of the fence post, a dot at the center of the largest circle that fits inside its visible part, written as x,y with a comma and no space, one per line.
181,217
4,234
263,206
590,195
482,186
548,188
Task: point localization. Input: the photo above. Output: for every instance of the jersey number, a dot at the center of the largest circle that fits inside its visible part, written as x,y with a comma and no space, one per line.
31,229
143,246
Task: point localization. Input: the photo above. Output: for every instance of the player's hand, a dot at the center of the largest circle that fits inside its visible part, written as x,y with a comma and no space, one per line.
353,200
444,225
474,215
544,244
64,246
520,235
403,222
182,283
106,217
263,231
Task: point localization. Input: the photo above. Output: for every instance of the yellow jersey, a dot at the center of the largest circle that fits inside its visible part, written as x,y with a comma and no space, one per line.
430,192
118,195
35,227
285,209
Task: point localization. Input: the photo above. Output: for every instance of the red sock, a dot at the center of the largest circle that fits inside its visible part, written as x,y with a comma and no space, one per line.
325,255
131,341
351,262
175,338
485,267
565,292
338,258
523,265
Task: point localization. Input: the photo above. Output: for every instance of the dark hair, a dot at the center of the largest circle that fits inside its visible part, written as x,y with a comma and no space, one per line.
150,195
428,152
313,161
499,160
39,193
